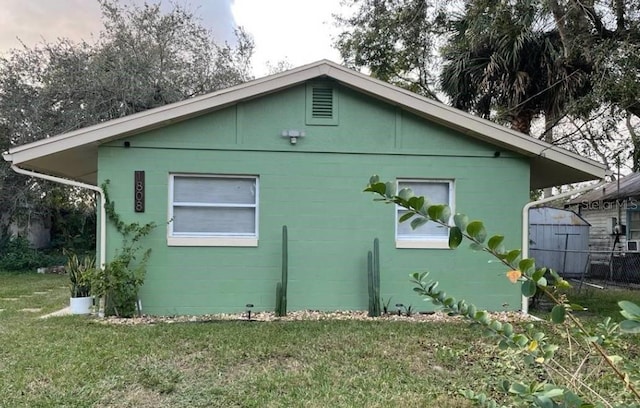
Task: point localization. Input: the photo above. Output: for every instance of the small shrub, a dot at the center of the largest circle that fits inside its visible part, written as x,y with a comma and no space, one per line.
16,254
120,280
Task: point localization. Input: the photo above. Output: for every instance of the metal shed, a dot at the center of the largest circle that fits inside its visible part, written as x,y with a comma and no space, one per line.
559,239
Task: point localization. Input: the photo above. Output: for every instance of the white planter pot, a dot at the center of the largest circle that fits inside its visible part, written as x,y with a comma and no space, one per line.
81,305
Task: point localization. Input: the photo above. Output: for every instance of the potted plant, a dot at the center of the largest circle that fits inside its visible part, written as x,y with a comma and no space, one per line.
79,271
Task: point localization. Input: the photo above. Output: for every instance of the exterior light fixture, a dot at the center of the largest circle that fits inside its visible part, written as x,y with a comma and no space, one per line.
249,306
293,135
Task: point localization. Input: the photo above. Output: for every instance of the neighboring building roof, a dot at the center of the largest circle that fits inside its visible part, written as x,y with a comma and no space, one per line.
74,154
628,187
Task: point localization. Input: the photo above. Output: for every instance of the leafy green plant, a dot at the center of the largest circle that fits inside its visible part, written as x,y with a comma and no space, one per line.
631,312
16,254
408,310
80,271
385,305
532,346
119,282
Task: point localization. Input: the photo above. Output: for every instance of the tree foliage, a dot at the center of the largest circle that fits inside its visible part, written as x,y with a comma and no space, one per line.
396,40
499,58
143,58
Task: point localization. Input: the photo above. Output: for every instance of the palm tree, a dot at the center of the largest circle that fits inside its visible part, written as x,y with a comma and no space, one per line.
501,60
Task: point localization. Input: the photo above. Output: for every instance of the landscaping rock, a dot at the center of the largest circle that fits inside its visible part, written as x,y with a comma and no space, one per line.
310,315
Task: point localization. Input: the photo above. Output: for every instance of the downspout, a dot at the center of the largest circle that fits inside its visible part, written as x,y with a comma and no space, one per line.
102,244
525,224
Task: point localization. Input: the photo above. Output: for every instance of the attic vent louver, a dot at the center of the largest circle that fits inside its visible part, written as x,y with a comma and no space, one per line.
322,103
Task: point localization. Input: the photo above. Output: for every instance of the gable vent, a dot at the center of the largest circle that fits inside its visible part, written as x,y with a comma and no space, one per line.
322,103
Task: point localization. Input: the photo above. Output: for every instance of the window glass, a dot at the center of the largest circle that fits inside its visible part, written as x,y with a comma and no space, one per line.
435,192
214,190
214,220
634,225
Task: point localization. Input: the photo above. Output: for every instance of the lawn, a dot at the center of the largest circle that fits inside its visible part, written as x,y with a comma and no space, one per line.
78,361
600,302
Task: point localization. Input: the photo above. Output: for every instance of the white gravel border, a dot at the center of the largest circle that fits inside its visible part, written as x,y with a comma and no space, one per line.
312,315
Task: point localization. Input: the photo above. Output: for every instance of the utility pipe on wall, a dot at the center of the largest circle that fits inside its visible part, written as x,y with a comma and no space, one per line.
525,224
102,244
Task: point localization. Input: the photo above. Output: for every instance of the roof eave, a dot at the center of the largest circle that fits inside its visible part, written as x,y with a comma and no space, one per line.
566,167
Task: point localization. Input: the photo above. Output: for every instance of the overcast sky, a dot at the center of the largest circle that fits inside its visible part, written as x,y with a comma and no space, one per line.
299,31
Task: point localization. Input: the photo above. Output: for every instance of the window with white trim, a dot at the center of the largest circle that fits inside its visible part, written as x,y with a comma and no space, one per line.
213,210
429,235
633,224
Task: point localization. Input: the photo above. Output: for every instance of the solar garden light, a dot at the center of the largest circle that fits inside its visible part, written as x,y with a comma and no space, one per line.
249,306
399,306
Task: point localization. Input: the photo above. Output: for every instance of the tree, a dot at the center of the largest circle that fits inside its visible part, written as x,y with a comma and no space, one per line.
396,40
278,67
607,36
143,58
500,59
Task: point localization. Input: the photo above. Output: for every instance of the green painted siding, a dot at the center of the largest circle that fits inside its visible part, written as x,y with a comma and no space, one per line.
315,188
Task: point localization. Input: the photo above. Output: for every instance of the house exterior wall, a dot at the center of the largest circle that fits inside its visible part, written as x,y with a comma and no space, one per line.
609,256
601,237
601,215
315,188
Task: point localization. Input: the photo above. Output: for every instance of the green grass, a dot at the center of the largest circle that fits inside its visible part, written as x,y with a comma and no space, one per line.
77,361
29,290
604,302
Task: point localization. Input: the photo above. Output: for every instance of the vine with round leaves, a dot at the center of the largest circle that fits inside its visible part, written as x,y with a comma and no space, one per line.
532,345
117,285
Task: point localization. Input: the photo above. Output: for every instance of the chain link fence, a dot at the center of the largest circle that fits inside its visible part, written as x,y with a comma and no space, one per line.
594,268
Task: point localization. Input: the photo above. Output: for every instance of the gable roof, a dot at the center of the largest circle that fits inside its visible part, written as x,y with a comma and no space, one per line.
629,187
74,154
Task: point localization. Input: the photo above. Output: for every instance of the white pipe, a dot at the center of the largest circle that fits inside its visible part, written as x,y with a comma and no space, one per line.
525,224
102,244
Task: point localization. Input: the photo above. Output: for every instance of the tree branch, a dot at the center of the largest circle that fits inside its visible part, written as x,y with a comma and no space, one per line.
559,17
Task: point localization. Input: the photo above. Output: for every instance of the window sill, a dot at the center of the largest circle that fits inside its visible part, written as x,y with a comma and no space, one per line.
416,244
212,241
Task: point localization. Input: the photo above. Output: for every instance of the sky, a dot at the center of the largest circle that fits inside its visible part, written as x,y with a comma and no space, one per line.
298,31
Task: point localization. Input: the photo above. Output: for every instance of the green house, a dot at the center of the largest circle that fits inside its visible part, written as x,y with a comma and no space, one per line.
220,175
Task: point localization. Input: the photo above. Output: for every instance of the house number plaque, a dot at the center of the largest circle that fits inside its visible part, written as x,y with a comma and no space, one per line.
138,191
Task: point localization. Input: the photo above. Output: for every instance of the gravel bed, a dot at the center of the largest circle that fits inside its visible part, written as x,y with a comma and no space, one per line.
311,315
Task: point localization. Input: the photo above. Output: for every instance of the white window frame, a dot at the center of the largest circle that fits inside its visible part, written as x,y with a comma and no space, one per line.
211,239
424,241
633,229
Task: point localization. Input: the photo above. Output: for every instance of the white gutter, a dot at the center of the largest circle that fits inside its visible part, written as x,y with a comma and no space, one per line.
103,215
525,224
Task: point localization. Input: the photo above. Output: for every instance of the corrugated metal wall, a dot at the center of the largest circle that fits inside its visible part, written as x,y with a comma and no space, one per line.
559,239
